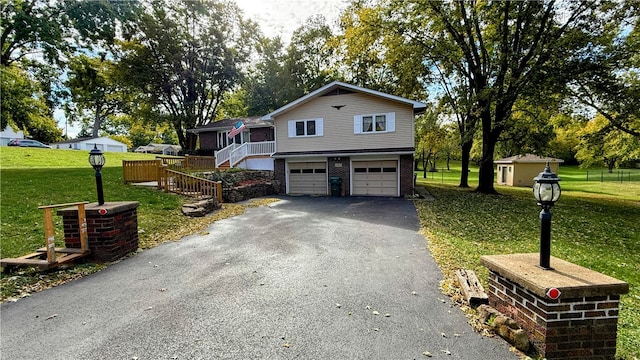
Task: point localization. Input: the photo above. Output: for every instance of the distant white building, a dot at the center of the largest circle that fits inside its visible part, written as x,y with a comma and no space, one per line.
103,143
9,134
164,149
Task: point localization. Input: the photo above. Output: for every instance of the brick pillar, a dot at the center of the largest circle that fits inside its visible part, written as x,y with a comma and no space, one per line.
580,324
112,229
406,175
339,166
279,173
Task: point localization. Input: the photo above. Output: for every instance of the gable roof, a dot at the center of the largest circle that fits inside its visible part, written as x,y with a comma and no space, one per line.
527,158
226,124
417,106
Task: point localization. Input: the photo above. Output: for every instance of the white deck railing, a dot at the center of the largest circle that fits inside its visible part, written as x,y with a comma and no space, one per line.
235,153
224,154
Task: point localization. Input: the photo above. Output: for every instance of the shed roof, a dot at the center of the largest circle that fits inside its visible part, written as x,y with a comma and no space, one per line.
528,158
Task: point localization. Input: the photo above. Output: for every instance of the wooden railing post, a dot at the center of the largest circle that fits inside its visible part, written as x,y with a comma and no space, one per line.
219,191
82,223
49,235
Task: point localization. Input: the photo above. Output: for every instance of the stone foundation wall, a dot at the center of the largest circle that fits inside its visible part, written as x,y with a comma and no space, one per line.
241,193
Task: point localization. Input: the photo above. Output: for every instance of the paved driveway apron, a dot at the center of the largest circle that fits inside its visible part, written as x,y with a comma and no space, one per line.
305,278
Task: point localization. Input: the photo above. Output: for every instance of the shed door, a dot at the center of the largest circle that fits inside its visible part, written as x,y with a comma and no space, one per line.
309,178
375,178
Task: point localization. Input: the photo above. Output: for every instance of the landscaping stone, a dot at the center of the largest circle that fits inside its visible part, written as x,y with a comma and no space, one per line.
200,208
505,326
246,184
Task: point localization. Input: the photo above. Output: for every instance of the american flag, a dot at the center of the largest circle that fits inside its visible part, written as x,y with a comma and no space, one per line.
236,129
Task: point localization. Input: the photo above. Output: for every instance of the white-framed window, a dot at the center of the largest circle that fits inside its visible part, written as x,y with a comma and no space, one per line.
224,141
374,123
306,128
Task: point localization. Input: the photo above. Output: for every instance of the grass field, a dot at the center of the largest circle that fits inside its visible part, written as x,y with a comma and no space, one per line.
33,177
596,225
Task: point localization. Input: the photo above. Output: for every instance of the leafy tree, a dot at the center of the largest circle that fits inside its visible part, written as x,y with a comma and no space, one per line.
493,53
310,60
30,27
601,143
607,79
185,56
39,36
24,106
269,84
566,139
94,93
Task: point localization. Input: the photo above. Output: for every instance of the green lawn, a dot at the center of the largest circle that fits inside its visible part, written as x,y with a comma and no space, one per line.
33,177
596,225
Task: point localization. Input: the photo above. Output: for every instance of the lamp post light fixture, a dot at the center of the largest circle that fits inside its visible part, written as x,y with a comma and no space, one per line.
546,191
96,159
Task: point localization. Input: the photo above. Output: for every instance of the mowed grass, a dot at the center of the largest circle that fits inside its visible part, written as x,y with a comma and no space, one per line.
595,225
572,179
33,177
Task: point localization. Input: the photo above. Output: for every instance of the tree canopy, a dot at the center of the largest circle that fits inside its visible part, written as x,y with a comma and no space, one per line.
185,56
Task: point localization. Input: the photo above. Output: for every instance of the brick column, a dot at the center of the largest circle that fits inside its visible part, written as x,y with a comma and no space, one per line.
339,166
279,173
112,229
580,324
406,175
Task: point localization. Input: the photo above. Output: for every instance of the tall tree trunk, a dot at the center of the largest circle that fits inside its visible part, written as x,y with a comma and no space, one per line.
97,122
486,172
466,156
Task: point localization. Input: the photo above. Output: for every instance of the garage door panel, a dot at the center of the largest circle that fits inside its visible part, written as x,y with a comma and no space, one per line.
308,178
376,178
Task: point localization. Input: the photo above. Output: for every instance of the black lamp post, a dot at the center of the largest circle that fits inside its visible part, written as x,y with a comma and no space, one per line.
547,191
96,159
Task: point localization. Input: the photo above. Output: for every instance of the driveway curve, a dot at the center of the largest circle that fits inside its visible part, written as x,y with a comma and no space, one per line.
304,278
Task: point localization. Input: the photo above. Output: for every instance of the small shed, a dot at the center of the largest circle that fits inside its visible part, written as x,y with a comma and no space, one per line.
103,143
520,170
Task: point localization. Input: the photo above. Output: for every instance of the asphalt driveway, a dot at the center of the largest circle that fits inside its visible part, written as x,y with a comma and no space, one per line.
305,278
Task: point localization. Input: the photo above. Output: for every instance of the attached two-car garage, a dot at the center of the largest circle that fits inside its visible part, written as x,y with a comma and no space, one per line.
368,178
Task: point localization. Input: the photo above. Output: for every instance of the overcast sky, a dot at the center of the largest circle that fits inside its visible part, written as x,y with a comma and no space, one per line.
282,17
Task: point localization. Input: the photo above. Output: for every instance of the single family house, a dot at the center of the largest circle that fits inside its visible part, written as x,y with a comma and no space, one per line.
520,170
358,136
250,148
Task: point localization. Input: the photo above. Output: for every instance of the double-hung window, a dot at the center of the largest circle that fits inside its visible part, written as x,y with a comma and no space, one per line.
374,123
305,128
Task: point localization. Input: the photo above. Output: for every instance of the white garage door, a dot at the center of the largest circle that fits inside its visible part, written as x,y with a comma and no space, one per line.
308,178
375,178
